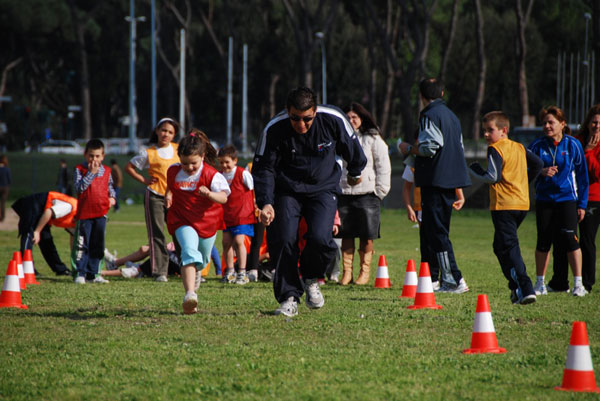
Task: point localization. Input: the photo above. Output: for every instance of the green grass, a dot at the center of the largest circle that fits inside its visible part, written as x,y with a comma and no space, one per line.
129,340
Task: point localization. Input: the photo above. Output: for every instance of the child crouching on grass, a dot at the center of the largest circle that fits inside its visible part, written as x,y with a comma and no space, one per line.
195,193
238,214
510,169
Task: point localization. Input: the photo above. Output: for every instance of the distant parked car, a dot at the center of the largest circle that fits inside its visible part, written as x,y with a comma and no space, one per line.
526,135
57,146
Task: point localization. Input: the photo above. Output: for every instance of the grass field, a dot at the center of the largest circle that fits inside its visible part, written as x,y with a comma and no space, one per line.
129,340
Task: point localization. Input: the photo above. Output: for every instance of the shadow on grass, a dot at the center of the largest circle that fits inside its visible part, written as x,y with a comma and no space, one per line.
101,313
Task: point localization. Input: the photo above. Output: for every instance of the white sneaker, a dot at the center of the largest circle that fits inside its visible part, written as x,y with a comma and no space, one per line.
435,285
462,287
288,308
529,299
314,298
161,279
109,257
190,303
540,288
253,275
100,280
579,291
129,272
241,278
79,280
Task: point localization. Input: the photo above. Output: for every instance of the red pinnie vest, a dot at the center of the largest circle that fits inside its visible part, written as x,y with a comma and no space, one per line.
93,202
190,208
67,221
239,208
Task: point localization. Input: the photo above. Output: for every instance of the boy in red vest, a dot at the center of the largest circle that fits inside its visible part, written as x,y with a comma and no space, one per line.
95,194
238,214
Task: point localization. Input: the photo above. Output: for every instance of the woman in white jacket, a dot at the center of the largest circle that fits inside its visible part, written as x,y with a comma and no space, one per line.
359,205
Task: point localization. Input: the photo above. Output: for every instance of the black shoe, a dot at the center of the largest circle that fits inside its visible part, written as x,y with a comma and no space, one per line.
64,273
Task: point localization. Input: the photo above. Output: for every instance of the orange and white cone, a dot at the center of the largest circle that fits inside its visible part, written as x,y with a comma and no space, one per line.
409,289
11,293
484,338
424,298
17,258
579,372
383,279
28,269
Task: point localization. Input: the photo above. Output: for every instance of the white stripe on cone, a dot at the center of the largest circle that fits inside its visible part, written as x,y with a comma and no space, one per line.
410,278
483,323
382,272
28,267
20,271
11,284
425,285
579,358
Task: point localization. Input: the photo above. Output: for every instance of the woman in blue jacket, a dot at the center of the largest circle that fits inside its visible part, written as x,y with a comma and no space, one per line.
561,193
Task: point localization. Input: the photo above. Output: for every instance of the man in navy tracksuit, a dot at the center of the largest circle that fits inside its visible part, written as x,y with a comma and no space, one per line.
440,168
296,175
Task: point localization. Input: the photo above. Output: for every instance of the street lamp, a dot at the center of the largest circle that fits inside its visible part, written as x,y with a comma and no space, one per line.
321,36
132,112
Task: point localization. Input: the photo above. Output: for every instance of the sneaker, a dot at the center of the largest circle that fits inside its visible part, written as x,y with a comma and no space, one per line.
435,285
288,308
241,278
253,275
321,281
454,289
335,278
79,280
550,289
129,272
190,303
229,276
109,257
100,280
540,288
314,298
528,299
161,279
514,298
579,291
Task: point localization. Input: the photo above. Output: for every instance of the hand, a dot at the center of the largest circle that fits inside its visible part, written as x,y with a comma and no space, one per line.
594,139
580,214
168,199
204,191
267,215
151,180
336,230
405,148
458,204
36,237
354,181
549,171
111,202
412,216
94,166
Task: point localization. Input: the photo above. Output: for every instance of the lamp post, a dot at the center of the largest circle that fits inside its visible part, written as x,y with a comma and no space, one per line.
321,36
132,112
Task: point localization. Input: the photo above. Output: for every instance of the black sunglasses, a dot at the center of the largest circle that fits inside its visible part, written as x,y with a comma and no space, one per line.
306,120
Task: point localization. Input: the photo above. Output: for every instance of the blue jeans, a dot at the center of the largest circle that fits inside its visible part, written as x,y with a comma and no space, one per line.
88,247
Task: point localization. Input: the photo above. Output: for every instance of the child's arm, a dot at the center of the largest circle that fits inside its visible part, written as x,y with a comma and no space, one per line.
460,199
46,217
218,197
406,190
168,198
336,223
494,168
112,196
534,165
130,169
82,182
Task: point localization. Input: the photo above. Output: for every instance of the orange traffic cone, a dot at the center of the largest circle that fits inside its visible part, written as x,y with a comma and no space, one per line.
579,372
28,269
483,339
11,293
383,279
424,297
17,258
409,289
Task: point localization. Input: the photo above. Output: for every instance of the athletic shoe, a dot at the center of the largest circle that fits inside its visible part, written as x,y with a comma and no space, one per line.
161,279
241,278
540,288
550,289
529,299
109,257
79,280
288,308
100,280
579,291
190,303
229,276
129,272
314,298
514,298
335,278
435,285
253,275
459,289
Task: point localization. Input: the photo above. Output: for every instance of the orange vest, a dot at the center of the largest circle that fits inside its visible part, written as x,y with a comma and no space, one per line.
158,168
67,221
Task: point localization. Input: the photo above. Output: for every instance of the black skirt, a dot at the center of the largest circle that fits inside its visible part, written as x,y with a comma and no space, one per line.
359,215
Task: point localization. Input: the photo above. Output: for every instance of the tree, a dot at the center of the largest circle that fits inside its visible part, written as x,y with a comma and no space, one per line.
482,69
521,53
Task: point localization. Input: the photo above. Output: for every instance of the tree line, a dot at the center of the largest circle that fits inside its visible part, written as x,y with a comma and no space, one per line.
496,54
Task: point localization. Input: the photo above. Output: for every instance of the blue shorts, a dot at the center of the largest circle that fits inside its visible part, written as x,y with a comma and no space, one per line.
242,229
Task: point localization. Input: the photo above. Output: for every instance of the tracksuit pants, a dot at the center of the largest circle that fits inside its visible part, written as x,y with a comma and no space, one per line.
47,248
318,209
155,222
508,252
436,248
88,247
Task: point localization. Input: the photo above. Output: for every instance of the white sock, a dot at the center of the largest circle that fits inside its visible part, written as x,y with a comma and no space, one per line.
540,279
190,292
577,281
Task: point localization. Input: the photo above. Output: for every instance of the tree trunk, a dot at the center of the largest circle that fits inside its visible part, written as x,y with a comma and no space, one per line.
596,47
5,72
482,69
451,36
521,54
272,86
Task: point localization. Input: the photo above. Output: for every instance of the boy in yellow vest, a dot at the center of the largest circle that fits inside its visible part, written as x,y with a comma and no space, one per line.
510,168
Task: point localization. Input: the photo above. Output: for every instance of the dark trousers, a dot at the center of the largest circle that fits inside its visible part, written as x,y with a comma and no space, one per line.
436,248
282,237
507,250
89,246
155,223
117,204
252,261
47,248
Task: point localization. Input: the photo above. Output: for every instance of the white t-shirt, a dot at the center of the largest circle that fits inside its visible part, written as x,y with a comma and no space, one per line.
408,174
188,182
246,178
60,208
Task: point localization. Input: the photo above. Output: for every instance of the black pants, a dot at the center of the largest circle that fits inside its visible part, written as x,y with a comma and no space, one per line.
47,248
508,251
282,237
436,248
252,262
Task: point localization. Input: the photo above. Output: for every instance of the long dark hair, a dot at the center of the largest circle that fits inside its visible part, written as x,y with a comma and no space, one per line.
367,124
197,143
165,120
585,131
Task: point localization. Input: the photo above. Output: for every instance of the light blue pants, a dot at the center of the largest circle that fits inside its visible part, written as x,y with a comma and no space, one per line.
194,250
